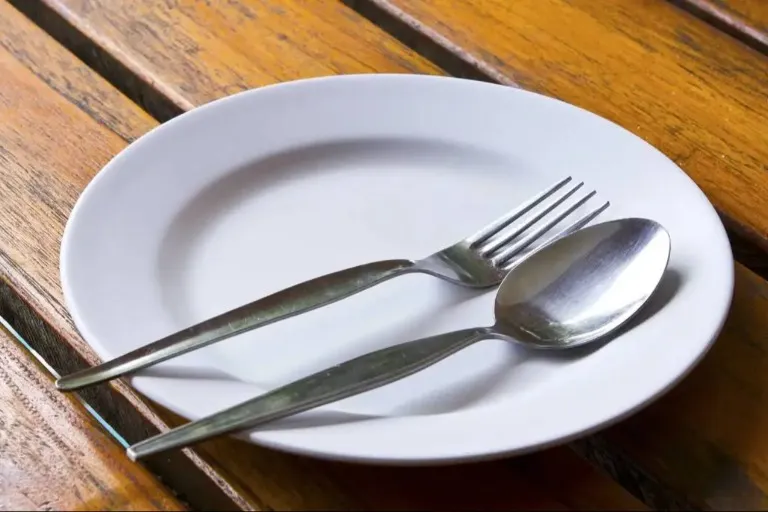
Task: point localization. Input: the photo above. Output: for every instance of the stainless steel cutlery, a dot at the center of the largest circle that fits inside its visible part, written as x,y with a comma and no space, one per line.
574,291
478,261
575,287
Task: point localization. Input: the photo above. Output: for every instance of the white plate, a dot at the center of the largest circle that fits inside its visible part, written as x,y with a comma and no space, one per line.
266,188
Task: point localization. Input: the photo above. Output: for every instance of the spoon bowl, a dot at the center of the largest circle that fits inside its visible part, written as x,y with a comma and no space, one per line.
582,286
573,291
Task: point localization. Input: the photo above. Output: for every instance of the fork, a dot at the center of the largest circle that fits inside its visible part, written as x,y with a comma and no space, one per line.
478,261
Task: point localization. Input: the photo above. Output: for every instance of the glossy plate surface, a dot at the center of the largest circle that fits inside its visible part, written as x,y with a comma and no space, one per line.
258,191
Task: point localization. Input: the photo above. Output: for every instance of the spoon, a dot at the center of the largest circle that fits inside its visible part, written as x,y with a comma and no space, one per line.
573,291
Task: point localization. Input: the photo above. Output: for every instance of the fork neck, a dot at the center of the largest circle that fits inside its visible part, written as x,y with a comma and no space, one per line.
460,266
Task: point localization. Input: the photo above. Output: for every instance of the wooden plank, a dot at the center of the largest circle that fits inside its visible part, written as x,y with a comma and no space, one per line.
555,479
682,85
186,53
703,444
54,455
707,437
700,97
746,20
59,123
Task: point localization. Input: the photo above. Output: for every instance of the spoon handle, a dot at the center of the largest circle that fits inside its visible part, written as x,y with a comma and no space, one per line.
352,377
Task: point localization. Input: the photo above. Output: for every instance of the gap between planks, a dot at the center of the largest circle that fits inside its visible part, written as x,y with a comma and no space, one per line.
191,483
738,26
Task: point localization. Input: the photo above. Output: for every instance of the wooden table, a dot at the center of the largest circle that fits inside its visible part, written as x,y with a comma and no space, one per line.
80,79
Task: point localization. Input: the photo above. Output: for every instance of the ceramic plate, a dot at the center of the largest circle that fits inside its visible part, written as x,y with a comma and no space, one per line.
257,191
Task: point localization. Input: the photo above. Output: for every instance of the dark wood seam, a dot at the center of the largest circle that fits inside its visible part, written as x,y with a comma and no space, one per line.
635,480
97,58
191,483
736,27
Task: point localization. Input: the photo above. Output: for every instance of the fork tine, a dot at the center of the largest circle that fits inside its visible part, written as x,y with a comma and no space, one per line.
583,221
504,221
521,244
494,245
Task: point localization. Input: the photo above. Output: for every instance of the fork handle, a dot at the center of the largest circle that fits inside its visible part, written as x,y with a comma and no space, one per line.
355,376
292,301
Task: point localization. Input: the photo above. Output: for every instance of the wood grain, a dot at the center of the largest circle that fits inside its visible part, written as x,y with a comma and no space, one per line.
59,123
746,20
707,437
187,52
54,455
677,82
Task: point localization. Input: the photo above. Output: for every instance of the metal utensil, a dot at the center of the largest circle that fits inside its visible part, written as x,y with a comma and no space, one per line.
574,291
478,261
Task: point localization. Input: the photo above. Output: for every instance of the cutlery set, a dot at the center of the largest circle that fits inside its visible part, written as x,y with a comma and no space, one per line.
575,287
